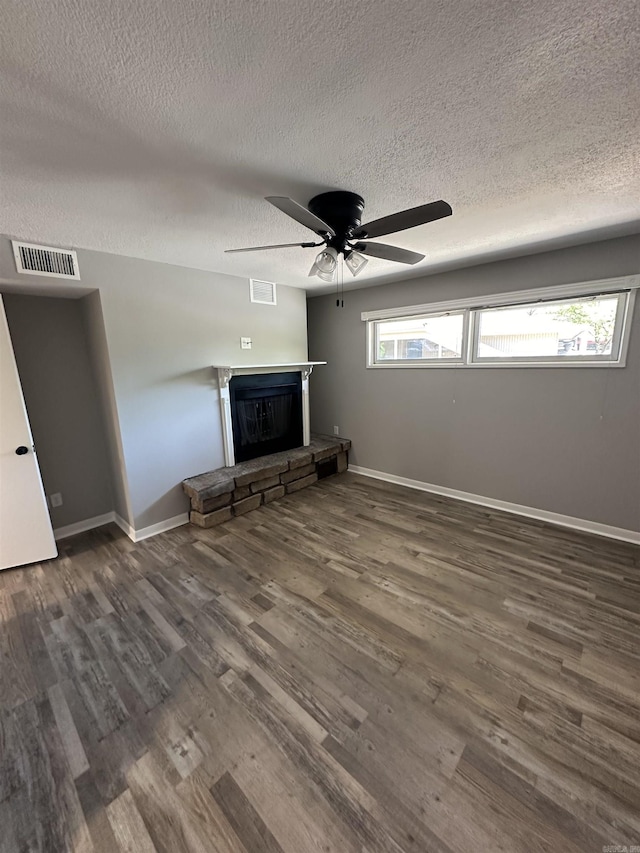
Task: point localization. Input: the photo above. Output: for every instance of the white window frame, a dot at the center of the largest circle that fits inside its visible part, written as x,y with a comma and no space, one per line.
625,285
587,358
426,361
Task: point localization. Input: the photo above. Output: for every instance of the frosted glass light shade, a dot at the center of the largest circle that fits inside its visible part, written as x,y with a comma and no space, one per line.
356,263
325,265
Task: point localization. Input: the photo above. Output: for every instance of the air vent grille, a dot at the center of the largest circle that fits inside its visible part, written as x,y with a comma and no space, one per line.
262,291
45,260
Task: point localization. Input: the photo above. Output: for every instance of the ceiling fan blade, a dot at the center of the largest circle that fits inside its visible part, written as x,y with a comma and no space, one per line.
277,246
404,219
388,253
300,214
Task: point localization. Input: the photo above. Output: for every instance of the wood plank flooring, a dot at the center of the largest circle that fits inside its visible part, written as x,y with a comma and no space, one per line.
358,667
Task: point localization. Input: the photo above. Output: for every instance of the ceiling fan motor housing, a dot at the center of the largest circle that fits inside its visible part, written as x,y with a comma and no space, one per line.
342,211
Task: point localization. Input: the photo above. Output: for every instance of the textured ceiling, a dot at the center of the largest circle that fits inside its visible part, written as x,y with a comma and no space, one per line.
155,128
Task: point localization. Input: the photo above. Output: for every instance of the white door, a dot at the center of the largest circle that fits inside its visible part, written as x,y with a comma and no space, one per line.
26,535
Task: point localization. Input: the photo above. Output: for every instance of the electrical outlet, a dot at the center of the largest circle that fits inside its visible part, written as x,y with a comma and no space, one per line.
245,343
336,430
56,499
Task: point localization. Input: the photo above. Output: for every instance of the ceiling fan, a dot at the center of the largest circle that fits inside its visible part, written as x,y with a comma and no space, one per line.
336,218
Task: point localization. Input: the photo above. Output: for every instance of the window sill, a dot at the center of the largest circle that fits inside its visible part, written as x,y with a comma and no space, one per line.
493,364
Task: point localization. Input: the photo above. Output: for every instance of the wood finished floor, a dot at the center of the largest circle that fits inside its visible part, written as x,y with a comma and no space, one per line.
358,667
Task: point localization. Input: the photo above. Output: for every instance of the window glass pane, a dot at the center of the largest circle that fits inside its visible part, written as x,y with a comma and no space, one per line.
435,337
566,329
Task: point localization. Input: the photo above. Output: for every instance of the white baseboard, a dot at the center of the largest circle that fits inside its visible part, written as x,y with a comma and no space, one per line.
132,533
161,527
83,526
517,509
152,529
125,526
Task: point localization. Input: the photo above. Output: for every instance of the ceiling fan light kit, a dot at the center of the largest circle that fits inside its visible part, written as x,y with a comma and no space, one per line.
336,218
355,262
325,264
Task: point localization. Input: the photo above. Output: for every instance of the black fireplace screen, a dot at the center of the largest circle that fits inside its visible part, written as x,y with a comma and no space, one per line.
266,413
265,419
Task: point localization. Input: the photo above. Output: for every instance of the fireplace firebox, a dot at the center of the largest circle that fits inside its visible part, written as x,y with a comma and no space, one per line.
266,413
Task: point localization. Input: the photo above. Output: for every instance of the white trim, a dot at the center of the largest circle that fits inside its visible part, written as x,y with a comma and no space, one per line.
452,361
132,533
306,411
125,526
496,300
160,527
617,358
625,330
83,526
252,368
227,423
482,365
152,529
505,506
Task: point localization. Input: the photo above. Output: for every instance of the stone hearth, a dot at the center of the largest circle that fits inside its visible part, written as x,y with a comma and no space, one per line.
224,493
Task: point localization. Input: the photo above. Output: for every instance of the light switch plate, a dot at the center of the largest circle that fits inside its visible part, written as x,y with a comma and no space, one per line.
245,343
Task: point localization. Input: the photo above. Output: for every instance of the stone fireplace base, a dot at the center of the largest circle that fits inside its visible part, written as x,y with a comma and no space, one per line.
227,492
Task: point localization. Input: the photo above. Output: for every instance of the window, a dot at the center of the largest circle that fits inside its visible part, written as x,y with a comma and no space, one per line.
580,329
424,338
570,325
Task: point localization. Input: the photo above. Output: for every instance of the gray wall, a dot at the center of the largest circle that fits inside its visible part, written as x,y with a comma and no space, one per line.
51,351
101,365
163,328
562,440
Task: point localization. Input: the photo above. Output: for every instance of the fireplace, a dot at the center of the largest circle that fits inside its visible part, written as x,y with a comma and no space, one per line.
263,411
266,413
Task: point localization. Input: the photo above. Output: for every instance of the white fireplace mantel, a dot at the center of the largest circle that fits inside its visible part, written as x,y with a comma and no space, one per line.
227,371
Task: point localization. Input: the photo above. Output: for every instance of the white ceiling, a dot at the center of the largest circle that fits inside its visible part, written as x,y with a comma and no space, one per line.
155,128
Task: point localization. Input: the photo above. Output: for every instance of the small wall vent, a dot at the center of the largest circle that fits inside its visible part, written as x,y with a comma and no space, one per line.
262,291
45,260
